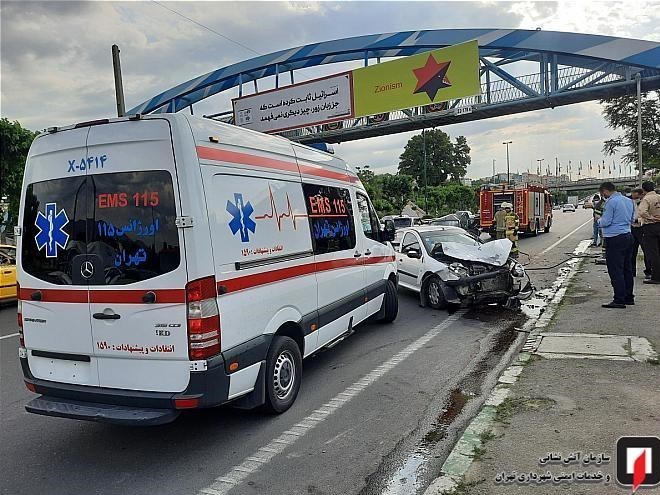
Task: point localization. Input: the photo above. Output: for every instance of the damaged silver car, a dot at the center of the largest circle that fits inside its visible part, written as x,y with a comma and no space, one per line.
446,265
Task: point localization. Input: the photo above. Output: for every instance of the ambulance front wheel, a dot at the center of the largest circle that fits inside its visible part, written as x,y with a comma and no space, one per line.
283,374
390,306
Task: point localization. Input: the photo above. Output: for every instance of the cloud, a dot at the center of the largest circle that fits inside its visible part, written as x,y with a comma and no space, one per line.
56,64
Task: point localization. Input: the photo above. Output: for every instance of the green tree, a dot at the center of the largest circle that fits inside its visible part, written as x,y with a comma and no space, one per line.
444,160
384,207
461,157
450,198
15,143
397,189
621,114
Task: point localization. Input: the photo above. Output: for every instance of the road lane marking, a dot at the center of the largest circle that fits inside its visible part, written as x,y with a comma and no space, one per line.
237,474
562,239
9,336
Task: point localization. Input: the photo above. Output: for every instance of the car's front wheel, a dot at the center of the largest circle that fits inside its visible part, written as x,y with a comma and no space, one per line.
433,294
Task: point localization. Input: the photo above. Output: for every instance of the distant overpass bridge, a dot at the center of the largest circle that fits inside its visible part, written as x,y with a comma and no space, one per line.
570,68
593,184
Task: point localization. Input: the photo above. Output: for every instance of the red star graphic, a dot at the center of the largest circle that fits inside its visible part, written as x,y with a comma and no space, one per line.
432,77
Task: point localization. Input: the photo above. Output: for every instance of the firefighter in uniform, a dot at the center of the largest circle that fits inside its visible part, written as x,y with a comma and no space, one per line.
512,222
500,223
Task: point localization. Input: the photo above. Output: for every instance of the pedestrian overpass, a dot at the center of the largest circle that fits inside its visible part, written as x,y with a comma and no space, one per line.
593,184
520,71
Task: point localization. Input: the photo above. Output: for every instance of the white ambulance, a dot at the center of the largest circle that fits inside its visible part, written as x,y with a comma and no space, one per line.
171,262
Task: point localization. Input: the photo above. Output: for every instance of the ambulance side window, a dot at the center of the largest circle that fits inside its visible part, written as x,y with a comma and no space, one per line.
330,215
368,218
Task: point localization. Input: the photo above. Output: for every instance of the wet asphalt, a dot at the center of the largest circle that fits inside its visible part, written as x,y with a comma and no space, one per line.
390,439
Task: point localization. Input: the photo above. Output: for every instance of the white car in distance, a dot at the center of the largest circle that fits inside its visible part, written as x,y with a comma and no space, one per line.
446,265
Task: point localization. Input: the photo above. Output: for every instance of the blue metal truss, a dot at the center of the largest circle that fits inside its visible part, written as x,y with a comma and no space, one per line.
572,67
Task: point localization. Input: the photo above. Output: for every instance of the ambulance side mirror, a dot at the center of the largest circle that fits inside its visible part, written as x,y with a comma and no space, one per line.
389,231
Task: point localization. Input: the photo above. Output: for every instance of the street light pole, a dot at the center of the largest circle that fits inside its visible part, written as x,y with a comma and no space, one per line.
119,87
508,174
493,170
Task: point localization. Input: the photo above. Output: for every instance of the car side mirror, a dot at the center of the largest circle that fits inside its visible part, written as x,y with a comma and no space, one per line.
413,253
389,232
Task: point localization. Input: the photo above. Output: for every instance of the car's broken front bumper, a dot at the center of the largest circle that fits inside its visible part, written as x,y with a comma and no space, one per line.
498,286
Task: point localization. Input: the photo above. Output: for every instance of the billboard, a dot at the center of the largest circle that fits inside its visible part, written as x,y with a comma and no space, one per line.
300,105
429,77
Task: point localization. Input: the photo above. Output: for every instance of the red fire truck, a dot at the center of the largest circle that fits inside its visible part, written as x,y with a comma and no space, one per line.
531,202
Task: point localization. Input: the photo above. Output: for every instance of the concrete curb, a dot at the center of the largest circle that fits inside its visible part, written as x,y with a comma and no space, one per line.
462,455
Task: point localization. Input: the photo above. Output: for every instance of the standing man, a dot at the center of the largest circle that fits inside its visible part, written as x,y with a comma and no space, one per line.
512,223
636,230
649,217
500,222
598,205
615,224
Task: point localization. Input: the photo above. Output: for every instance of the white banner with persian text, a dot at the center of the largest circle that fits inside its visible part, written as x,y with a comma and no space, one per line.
300,105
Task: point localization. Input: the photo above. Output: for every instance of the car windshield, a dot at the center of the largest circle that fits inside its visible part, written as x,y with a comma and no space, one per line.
8,253
433,240
448,222
402,223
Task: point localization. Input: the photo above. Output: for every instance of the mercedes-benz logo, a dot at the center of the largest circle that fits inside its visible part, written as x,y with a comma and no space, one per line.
87,269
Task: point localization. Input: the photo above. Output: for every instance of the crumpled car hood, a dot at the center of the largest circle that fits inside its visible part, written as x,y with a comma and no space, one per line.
492,253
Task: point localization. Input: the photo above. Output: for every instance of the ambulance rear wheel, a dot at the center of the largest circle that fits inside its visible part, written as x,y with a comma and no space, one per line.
283,374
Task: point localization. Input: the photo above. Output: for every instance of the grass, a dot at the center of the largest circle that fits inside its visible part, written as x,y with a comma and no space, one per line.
478,452
512,406
463,487
486,436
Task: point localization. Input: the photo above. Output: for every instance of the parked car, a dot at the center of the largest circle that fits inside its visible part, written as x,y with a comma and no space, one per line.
7,273
446,265
170,262
568,207
460,219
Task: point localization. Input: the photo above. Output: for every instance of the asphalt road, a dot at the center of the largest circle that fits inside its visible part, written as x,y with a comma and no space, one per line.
387,432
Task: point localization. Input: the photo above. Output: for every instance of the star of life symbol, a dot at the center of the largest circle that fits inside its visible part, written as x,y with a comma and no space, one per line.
241,221
51,230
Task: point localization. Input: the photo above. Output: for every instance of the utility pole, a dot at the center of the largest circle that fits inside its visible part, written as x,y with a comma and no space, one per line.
119,87
426,205
639,128
508,173
557,176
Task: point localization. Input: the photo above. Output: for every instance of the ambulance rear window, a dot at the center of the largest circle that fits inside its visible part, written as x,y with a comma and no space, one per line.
125,219
133,225
54,228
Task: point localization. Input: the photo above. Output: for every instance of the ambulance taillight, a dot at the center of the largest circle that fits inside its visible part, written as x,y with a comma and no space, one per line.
203,319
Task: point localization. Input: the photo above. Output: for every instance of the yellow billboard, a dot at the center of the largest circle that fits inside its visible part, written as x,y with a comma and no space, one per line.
429,77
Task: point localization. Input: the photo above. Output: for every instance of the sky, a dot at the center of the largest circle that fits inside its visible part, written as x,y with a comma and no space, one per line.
56,66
